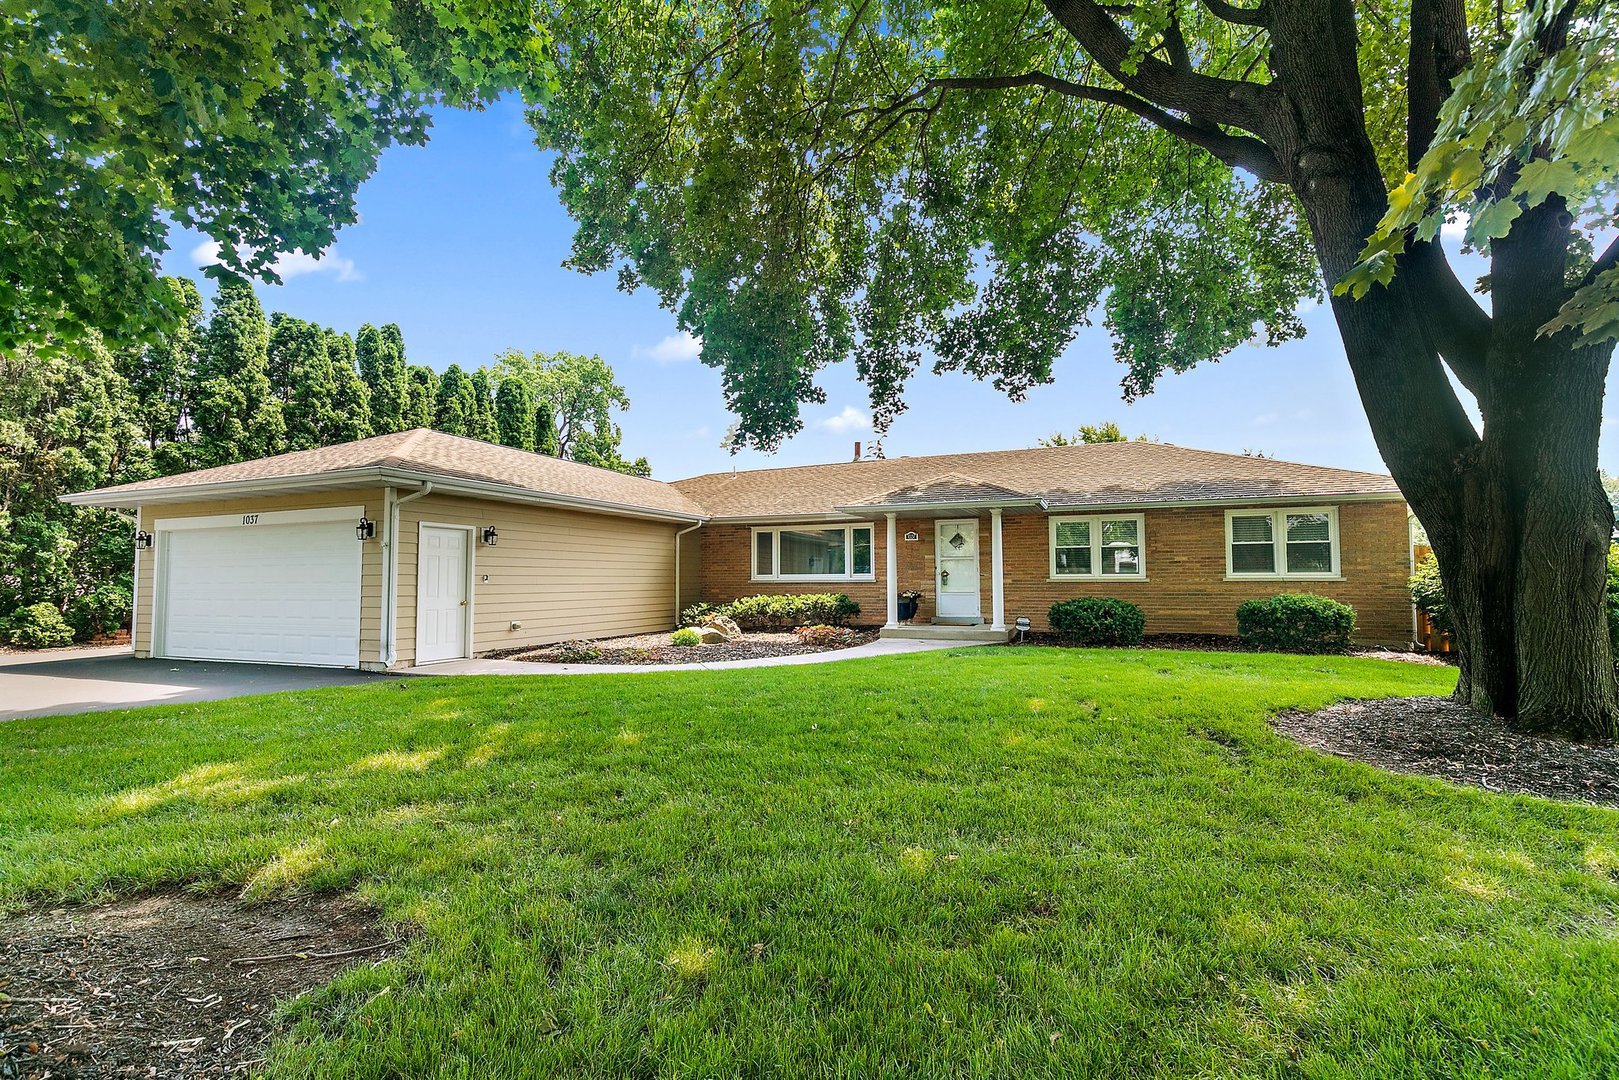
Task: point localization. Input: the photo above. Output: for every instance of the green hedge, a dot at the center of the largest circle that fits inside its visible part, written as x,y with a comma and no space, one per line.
780,611
37,626
1297,622
1428,594
1098,620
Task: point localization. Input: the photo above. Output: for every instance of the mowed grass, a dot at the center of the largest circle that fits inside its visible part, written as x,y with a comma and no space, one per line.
985,862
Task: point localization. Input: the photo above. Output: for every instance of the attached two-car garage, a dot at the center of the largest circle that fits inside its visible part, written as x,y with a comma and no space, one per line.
280,588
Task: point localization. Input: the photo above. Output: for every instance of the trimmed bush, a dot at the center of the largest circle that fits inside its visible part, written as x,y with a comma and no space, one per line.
694,615
1428,592
826,637
685,637
102,610
1098,620
1613,601
38,626
1296,622
781,611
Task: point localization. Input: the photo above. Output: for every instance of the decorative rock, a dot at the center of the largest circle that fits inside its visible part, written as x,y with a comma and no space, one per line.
711,635
725,625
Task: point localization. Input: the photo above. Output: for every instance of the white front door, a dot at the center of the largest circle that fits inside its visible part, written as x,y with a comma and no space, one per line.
442,603
956,559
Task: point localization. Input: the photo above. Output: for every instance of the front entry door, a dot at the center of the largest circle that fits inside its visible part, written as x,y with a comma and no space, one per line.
441,594
956,556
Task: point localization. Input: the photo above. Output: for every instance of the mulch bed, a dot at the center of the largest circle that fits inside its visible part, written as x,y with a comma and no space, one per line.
1439,737
167,985
645,649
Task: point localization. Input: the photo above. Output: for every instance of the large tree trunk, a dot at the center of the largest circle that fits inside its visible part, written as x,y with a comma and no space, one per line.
1516,514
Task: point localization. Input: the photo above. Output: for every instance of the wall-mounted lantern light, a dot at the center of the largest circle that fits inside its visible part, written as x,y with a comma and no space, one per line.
365,529
143,540
490,537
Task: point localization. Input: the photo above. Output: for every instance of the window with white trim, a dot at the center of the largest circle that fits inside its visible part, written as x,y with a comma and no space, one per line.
813,553
1098,546
1294,542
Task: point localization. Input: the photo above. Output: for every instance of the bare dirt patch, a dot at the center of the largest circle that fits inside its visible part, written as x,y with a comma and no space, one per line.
166,986
656,649
1435,736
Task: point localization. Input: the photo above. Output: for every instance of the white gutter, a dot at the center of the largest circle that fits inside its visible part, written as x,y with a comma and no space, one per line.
678,535
944,504
390,571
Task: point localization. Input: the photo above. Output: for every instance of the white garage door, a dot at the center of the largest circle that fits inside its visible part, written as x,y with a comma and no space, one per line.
271,593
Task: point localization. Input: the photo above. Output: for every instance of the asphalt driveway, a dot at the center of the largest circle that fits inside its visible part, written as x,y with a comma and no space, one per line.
91,680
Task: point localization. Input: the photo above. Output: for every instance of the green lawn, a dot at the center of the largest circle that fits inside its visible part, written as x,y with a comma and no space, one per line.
979,863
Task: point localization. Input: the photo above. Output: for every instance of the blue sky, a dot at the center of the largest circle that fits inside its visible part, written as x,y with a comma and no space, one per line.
461,243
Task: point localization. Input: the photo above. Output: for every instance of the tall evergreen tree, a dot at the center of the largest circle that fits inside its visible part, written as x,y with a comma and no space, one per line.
381,359
353,400
158,375
545,430
236,415
455,410
483,397
514,414
303,379
422,400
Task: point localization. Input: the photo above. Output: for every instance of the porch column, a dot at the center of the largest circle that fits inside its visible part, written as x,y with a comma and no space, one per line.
998,589
893,573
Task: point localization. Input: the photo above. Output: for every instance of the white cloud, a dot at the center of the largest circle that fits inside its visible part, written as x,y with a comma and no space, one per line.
674,349
290,264
850,419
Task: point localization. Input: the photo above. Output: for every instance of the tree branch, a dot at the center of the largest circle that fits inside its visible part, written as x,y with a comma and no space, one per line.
1231,13
1439,51
1236,150
1605,262
1457,326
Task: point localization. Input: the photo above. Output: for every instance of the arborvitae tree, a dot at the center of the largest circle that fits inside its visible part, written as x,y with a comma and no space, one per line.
301,373
514,414
455,410
423,397
545,430
236,415
483,396
381,358
158,375
353,402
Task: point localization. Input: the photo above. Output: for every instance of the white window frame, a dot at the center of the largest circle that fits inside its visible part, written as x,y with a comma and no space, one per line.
1278,518
775,532
1095,521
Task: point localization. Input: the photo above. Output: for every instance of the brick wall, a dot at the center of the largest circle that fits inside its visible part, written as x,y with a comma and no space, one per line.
1185,592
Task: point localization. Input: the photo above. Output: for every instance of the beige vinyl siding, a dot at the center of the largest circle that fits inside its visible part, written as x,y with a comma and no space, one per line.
370,565
560,573
691,568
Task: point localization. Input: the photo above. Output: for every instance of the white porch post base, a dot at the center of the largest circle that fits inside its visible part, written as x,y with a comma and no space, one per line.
893,575
998,591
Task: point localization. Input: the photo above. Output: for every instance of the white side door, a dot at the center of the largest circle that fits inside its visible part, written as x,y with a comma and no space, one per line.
956,577
443,605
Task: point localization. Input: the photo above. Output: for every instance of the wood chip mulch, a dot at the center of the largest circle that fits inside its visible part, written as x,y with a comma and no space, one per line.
173,985
1442,738
644,649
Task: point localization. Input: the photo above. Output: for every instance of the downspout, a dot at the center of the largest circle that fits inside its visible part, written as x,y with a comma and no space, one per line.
678,535
390,585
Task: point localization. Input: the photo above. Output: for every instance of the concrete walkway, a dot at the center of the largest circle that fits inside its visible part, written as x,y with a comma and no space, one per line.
880,647
90,680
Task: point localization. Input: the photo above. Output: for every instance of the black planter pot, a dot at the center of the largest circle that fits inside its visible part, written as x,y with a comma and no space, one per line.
907,610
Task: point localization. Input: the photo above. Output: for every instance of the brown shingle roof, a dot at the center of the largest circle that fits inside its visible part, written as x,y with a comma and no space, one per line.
431,454
1104,474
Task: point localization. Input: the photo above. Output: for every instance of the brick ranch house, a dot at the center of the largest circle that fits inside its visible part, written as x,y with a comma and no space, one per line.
418,547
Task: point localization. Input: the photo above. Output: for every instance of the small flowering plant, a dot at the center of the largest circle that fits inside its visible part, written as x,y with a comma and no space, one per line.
911,596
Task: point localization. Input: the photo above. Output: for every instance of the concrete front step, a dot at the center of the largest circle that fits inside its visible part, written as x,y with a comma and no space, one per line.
981,633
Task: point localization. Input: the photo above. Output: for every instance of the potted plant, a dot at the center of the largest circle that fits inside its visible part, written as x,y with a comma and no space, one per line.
908,602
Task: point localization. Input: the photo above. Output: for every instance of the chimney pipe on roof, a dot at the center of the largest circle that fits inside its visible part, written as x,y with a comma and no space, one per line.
857,450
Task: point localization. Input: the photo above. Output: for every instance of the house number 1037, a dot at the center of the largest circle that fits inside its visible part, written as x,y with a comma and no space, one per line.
250,519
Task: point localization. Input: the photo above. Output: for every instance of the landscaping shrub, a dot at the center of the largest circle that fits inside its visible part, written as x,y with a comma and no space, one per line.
1613,602
38,626
685,637
102,610
577,652
1428,592
780,611
826,637
1296,622
694,615
1098,620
